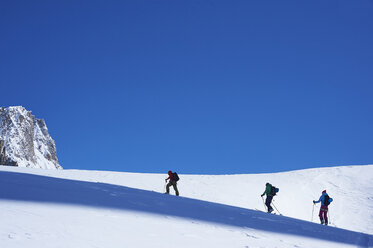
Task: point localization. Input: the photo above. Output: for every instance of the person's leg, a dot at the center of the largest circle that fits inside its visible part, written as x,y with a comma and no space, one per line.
175,188
168,187
321,215
326,215
268,203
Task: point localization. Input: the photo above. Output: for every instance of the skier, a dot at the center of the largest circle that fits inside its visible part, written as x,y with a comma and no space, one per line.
269,193
325,201
173,177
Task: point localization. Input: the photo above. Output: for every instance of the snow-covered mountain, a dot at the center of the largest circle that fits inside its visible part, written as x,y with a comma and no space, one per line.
25,141
74,208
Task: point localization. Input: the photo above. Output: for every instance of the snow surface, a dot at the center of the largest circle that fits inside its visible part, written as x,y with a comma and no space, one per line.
75,208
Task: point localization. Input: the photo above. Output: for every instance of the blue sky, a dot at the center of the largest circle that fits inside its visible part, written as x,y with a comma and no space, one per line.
194,86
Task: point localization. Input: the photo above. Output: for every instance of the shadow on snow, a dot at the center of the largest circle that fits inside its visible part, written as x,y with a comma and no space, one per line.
34,188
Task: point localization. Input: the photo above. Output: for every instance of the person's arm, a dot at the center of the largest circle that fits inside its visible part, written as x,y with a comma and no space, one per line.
318,200
267,190
264,192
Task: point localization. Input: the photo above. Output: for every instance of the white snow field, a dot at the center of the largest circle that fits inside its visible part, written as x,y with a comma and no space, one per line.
75,208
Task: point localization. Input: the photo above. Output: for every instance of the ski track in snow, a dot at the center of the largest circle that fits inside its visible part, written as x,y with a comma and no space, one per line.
75,208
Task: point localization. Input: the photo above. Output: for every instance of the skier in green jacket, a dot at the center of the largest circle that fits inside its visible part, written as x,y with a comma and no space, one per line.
269,197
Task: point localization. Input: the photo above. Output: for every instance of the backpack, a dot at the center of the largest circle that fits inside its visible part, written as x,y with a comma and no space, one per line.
274,190
326,200
175,177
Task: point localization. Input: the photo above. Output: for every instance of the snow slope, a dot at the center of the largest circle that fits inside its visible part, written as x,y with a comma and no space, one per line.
73,208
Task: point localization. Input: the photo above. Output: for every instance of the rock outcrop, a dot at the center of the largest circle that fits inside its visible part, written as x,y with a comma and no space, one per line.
25,140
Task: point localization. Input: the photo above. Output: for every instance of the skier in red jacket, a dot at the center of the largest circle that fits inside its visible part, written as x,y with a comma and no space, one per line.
173,181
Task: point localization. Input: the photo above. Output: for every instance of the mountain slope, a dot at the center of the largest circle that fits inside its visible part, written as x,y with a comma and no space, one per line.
38,209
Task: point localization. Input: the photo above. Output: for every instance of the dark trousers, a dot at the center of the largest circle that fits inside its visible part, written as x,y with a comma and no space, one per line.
268,202
324,214
174,184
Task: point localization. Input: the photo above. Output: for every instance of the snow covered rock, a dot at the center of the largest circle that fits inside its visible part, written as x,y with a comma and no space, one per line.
25,141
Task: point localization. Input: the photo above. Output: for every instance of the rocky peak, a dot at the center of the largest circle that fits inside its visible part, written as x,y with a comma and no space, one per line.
25,140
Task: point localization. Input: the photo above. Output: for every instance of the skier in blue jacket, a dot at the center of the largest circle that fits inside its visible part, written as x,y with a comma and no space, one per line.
325,201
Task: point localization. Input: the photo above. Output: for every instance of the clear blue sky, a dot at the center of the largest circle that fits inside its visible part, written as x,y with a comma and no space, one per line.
194,86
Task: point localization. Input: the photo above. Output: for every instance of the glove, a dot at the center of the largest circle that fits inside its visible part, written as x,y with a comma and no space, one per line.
313,202
262,195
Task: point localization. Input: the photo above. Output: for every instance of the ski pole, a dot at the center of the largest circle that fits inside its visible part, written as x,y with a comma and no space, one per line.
329,217
276,208
313,206
164,188
265,209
